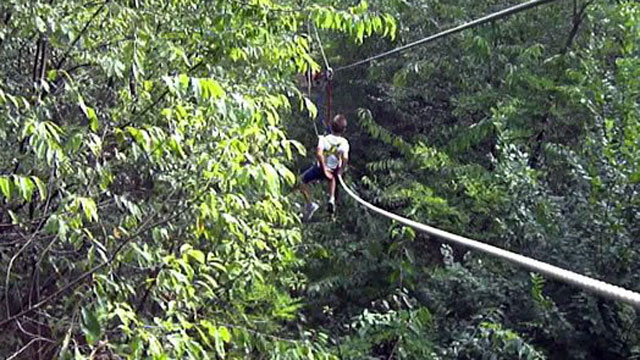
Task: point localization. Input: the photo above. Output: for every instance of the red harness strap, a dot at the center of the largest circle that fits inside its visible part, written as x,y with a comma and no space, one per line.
329,101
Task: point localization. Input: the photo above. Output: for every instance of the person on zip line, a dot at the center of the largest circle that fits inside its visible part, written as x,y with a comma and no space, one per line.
332,154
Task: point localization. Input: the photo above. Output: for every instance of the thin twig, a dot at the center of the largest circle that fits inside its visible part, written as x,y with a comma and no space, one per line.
15,355
44,252
82,32
395,347
31,334
33,236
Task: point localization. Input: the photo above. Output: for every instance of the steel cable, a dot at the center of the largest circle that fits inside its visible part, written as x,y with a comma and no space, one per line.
569,277
483,20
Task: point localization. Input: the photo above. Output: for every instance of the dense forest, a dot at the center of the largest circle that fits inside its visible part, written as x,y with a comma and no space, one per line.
150,152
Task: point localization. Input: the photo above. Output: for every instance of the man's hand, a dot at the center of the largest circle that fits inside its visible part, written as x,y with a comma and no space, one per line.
323,165
345,159
328,173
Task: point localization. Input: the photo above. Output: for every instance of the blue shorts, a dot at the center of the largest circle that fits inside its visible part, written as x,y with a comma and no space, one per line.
313,173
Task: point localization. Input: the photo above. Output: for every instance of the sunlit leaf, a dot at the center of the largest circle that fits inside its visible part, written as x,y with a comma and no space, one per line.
42,189
89,208
5,187
25,187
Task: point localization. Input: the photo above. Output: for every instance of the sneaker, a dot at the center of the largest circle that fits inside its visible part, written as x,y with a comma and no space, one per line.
331,206
310,209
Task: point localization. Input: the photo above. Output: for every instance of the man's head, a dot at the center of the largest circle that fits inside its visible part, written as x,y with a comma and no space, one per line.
338,124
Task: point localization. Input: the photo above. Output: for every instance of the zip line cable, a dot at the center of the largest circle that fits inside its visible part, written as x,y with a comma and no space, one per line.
324,56
569,277
483,20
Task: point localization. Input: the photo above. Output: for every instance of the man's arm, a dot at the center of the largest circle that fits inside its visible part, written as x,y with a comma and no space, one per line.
323,165
345,160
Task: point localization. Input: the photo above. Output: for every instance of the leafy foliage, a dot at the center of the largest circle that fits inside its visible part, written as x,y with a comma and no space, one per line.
145,184
144,175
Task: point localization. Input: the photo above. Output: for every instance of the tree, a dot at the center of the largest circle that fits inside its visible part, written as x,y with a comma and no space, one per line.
143,174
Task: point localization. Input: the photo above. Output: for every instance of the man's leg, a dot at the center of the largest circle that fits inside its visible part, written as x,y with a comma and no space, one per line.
305,189
307,176
311,174
332,195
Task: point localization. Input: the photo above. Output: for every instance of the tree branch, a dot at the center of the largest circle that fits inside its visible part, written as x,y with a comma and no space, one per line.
82,32
36,60
15,355
578,17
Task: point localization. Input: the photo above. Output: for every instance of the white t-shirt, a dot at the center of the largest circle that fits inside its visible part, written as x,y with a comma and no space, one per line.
333,148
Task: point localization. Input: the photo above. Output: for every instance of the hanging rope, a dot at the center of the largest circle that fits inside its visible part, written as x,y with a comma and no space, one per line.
329,97
315,127
483,20
586,283
329,77
309,74
324,56
321,111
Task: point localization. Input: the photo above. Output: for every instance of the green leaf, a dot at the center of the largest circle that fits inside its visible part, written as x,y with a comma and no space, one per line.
5,187
211,88
52,75
93,119
210,280
89,113
183,79
90,326
25,187
288,175
224,334
52,225
217,90
219,344
311,107
271,178
42,189
219,266
113,67
299,147
185,248
142,252
360,32
89,207
198,255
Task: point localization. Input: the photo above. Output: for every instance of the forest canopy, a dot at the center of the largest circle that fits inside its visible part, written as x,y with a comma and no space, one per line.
150,153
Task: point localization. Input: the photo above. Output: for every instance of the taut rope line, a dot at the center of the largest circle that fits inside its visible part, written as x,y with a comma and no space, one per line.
483,20
569,277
